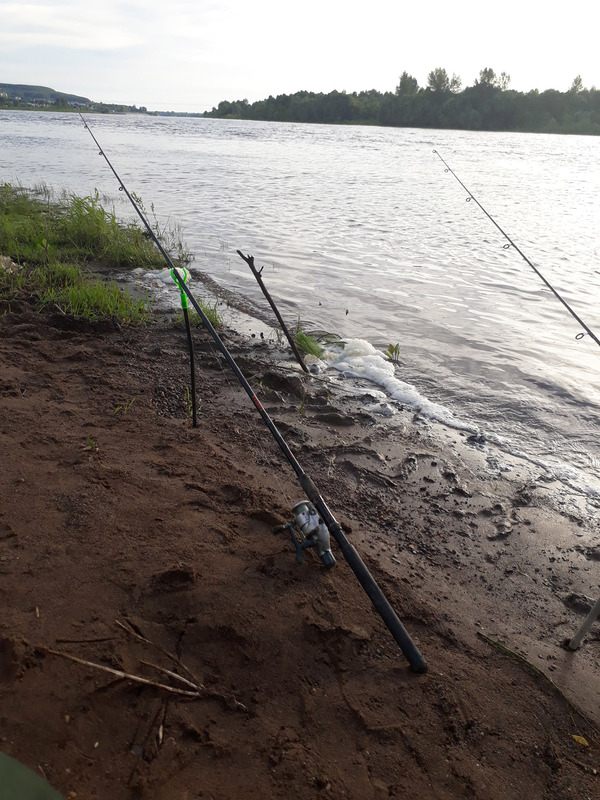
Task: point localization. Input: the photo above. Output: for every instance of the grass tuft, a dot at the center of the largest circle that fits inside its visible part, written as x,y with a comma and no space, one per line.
212,313
52,243
308,344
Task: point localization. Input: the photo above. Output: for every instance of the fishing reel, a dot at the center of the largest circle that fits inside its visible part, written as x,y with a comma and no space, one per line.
306,530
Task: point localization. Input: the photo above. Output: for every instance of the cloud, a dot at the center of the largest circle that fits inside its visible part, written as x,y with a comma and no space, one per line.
109,25
67,25
197,52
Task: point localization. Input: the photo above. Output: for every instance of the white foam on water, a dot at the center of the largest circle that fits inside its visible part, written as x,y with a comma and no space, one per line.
161,276
359,359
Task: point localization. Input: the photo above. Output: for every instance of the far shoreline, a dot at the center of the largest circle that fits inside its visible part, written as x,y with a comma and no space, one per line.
207,115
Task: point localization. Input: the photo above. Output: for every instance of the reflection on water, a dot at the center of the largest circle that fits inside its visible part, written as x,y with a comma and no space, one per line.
361,231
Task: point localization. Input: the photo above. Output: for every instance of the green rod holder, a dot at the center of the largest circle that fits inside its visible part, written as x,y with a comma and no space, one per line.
188,328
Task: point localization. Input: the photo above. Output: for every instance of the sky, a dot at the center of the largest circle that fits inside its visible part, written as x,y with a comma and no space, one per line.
188,55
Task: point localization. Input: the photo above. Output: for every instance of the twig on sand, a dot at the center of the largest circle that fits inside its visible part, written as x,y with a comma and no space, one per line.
126,675
85,641
173,675
157,723
196,691
129,630
502,648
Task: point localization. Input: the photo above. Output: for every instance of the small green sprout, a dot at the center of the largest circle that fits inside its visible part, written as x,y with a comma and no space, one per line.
393,353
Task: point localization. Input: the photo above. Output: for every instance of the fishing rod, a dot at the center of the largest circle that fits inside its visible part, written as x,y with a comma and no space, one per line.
179,280
366,580
522,254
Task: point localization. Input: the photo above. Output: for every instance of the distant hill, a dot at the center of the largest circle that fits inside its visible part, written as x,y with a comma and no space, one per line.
32,93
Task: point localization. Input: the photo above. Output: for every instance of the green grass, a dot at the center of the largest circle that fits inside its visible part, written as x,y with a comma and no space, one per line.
211,311
308,344
72,291
314,342
35,227
54,242
94,299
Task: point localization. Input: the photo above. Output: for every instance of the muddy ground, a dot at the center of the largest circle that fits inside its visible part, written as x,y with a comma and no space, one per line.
131,540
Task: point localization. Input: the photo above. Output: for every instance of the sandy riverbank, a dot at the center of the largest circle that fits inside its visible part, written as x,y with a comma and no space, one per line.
113,508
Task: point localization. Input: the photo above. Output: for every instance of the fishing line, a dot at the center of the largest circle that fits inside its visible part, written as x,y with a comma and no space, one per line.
522,254
364,577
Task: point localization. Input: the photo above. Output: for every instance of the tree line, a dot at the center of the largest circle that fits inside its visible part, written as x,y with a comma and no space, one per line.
488,105
61,104
26,97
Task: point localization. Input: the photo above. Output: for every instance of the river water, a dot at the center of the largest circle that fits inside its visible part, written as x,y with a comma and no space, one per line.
362,232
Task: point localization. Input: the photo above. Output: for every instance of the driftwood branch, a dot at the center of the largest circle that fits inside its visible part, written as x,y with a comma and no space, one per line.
257,274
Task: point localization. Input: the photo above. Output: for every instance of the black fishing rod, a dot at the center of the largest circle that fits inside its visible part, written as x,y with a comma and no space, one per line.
522,254
366,580
180,280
